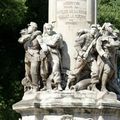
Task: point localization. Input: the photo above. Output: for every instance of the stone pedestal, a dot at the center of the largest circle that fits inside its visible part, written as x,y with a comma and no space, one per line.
68,17
54,105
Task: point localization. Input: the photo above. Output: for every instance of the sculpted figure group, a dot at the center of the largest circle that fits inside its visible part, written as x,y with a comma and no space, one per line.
42,57
96,58
97,50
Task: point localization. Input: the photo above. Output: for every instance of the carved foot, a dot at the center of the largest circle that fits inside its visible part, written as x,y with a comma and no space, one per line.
67,89
58,87
93,88
103,89
72,88
44,89
35,89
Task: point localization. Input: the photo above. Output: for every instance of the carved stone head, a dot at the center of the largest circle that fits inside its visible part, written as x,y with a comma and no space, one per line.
48,29
93,29
32,27
107,27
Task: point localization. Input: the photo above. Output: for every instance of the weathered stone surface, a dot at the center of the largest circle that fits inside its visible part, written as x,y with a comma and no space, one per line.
86,96
70,16
52,105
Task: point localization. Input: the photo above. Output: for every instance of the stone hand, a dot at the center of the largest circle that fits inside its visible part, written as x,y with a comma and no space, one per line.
42,55
106,56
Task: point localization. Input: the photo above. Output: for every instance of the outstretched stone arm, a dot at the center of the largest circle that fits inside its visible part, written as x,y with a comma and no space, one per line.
24,38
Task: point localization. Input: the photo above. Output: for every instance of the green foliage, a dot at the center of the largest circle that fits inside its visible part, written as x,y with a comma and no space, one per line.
14,15
109,11
12,12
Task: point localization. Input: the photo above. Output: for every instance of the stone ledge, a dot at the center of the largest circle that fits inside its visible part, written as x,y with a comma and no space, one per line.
67,99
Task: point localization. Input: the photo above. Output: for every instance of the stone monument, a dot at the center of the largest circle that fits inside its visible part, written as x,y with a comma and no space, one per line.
54,87
68,17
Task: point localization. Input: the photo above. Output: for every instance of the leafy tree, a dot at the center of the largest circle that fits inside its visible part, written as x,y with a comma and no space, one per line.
12,18
15,14
12,13
109,11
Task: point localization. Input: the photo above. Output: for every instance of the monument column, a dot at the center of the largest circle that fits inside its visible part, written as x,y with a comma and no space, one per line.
52,10
70,16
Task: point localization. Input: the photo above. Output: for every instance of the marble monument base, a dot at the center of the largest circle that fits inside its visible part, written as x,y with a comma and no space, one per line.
68,105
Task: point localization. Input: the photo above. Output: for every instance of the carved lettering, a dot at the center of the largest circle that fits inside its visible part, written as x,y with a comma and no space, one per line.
72,12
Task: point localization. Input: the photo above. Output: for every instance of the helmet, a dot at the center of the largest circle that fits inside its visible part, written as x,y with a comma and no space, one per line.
33,24
106,25
94,26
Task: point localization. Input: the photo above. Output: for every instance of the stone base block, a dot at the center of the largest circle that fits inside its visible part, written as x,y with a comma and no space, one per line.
68,105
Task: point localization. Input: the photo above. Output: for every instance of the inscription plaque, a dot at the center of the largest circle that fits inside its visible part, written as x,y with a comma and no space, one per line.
72,12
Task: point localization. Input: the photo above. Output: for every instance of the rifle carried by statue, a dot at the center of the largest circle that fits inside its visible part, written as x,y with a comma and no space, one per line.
86,54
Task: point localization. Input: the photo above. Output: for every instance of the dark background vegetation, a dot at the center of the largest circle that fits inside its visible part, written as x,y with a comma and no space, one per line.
14,15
